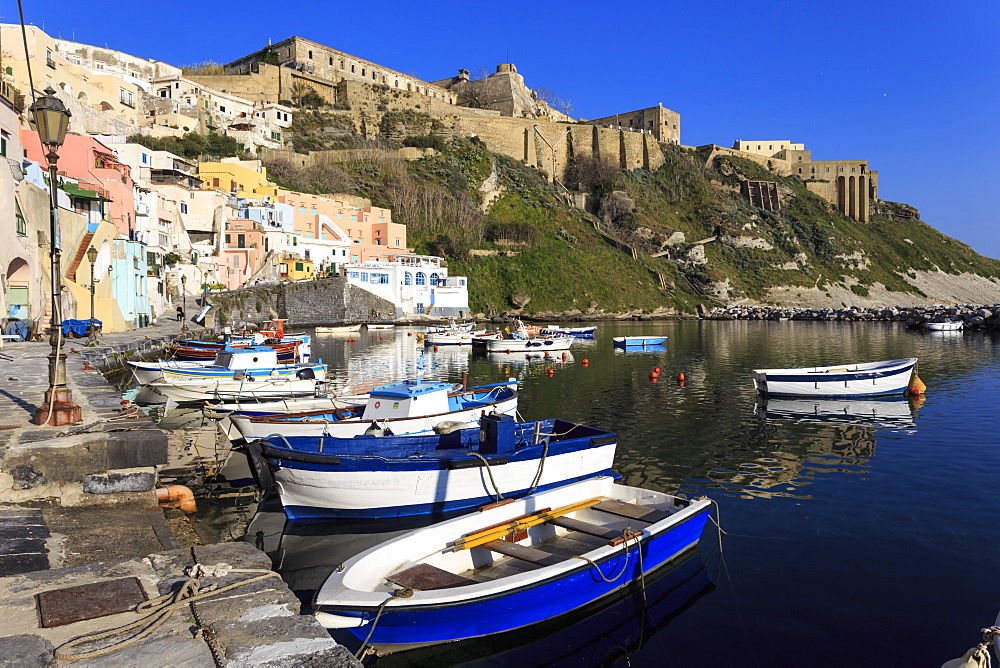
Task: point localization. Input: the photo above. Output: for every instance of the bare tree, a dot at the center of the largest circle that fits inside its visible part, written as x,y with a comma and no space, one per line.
558,102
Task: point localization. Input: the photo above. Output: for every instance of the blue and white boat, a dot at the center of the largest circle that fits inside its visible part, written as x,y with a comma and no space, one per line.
239,363
508,566
579,332
639,340
405,408
855,380
394,476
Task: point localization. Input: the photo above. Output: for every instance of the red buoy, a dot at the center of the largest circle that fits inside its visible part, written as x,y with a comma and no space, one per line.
586,362
680,377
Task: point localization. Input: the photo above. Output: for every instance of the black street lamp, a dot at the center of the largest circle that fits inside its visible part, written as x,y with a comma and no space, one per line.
52,120
92,256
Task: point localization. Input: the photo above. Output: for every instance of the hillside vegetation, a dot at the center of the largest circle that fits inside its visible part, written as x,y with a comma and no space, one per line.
631,249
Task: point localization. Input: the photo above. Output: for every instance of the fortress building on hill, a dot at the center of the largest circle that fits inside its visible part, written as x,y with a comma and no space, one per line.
849,185
658,121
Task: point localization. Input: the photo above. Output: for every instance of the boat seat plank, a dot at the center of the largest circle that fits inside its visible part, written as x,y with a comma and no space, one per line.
632,511
523,552
425,577
613,536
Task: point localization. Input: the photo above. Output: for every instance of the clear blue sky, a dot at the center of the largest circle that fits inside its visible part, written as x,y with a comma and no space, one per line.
913,87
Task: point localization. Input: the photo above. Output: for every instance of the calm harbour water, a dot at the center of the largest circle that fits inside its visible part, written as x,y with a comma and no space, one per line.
866,541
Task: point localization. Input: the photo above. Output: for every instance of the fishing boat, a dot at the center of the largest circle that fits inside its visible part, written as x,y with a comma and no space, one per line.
255,406
450,326
373,325
579,332
949,326
640,350
857,380
404,408
448,338
339,329
230,359
521,339
508,566
625,341
230,364
266,387
394,476
289,350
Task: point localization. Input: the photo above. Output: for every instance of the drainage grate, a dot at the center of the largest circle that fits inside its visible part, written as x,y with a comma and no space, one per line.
99,599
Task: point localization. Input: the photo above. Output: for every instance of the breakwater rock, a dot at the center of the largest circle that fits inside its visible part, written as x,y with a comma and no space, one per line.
972,316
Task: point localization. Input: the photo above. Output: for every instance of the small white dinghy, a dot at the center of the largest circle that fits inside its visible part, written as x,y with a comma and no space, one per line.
509,565
949,326
842,380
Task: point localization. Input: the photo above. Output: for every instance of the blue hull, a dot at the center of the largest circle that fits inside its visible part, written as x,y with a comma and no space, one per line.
530,605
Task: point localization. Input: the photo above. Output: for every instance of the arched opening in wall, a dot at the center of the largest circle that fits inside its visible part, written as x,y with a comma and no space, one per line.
852,197
421,278
407,278
863,202
397,83
842,194
106,106
82,97
18,289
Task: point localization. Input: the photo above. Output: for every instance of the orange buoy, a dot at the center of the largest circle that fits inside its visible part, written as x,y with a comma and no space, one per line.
586,362
177,496
680,377
409,333
917,386
380,338
653,378
435,348
680,382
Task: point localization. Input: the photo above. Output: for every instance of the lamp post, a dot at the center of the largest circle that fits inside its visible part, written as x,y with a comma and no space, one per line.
92,256
184,327
52,120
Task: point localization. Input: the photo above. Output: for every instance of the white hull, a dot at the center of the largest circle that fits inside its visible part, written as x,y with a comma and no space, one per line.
371,326
363,490
866,379
953,326
150,372
229,389
448,339
351,428
529,345
343,329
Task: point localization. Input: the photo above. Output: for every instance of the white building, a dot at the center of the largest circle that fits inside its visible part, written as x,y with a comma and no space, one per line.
416,284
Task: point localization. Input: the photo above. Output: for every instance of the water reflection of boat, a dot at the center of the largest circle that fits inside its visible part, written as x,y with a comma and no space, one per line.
895,413
602,634
647,349
540,357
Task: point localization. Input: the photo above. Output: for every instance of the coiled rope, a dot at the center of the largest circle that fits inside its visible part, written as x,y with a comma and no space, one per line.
627,534
161,608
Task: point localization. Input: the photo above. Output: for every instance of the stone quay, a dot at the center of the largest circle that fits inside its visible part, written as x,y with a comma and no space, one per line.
83,540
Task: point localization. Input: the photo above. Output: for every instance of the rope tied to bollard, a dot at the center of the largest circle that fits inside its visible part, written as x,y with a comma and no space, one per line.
160,610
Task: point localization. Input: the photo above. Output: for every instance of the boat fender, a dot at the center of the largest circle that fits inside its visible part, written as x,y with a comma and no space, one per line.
259,468
448,426
977,657
917,386
177,496
375,430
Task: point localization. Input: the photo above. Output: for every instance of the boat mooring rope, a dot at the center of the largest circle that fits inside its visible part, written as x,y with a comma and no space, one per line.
489,472
627,534
365,650
161,608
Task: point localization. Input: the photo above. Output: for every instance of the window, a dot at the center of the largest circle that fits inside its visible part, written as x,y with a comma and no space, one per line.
184,207
407,278
352,274
221,108
215,183
276,136
421,278
364,277
125,96
145,159
299,266
22,227
310,55
397,243
419,309
434,279
236,262
227,238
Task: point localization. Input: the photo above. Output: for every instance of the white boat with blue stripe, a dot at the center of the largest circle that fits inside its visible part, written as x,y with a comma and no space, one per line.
508,566
841,380
405,408
395,476
239,363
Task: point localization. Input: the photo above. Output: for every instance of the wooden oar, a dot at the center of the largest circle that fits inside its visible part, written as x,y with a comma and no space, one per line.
515,525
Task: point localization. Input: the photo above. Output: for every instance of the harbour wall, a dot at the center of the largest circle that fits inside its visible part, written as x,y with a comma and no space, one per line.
972,316
321,302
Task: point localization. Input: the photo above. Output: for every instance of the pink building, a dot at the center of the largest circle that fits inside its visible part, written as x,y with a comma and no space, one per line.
370,229
244,250
96,167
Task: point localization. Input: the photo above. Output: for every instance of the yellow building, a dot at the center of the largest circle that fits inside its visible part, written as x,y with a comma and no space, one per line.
295,269
243,178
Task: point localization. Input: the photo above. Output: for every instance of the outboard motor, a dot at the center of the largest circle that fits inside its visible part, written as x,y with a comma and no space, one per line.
305,374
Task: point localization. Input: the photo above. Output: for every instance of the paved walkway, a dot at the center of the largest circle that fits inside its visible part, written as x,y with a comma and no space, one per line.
24,379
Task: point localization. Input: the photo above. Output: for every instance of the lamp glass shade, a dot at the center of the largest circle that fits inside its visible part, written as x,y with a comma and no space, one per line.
51,118
92,254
